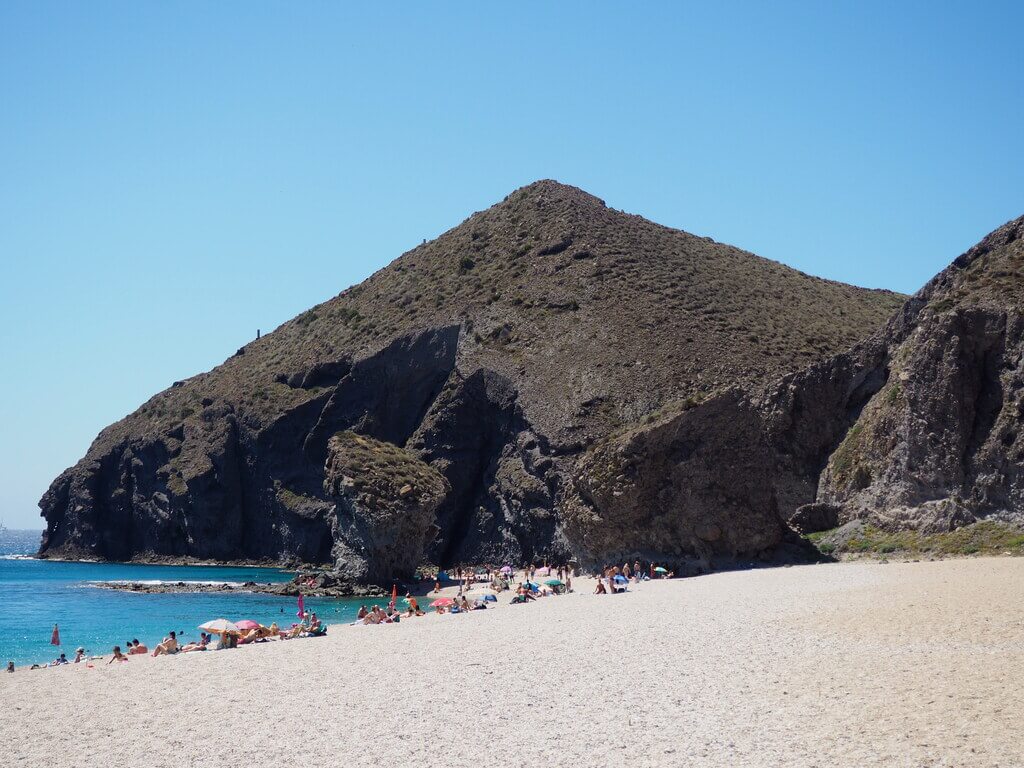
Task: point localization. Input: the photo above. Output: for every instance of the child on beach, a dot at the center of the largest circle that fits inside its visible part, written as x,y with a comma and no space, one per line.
118,656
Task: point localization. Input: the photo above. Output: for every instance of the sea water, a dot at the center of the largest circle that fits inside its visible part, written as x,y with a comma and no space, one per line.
36,594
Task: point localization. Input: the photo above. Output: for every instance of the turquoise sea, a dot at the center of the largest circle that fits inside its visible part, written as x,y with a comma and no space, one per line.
36,594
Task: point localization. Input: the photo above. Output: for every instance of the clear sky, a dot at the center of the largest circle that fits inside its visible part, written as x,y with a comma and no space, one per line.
174,176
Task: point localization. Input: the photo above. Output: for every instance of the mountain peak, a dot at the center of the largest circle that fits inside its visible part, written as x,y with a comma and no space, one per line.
544,190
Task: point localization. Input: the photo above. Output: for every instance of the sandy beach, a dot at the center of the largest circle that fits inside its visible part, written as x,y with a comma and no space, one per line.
854,664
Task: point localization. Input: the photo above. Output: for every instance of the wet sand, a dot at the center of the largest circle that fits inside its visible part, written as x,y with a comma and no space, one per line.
852,664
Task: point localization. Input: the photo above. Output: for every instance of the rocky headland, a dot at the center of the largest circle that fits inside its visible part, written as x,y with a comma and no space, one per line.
556,379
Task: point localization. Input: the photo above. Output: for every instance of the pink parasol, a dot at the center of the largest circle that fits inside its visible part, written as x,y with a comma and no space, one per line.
302,606
247,624
442,601
543,571
506,569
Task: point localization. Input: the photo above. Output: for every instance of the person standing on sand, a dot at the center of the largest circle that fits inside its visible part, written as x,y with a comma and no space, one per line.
625,570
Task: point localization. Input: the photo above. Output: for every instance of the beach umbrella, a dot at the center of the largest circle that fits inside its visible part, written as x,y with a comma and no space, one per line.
553,583
442,601
506,569
247,624
219,626
659,569
55,636
620,579
302,606
543,571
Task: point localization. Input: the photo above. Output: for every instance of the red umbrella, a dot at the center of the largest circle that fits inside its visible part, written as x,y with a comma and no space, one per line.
394,595
247,624
55,637
442,601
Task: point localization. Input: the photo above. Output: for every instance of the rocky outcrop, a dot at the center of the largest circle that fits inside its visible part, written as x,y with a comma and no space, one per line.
693,484
939,446
512,354
503,476
221,487
918,426
385,504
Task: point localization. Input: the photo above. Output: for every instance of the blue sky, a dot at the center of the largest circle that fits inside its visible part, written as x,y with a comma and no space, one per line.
174,176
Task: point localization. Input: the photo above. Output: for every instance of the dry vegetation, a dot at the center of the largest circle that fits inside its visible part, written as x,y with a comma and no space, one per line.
573,300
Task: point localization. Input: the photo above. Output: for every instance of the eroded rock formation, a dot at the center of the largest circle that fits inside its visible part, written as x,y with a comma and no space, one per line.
534,357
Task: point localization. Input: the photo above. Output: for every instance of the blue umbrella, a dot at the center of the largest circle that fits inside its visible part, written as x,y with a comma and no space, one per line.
620,579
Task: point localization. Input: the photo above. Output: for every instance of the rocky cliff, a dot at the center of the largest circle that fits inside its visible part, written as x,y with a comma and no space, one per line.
940,445
526,342
918,426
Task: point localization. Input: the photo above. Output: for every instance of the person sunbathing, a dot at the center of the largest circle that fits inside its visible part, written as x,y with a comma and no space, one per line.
168,646
250,637
79,655
135,647
118,656
204,640
464,604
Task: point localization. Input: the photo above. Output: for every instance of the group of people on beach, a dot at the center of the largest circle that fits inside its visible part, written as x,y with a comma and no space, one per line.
309,626
611,579
614,578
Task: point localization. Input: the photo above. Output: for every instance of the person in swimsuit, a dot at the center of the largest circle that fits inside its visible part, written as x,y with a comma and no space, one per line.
204,640
135,647
168,646
118,656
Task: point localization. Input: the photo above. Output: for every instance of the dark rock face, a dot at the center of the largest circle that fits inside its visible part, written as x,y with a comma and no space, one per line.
504,481
386,500
697,484
224,490
938,447
812,518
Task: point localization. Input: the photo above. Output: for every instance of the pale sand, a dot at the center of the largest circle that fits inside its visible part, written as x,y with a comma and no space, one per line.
914,664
